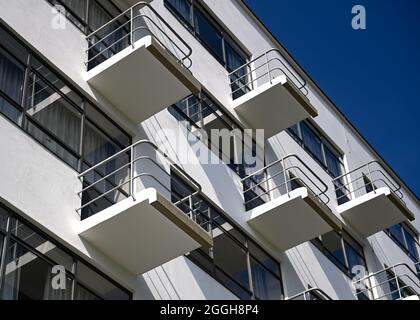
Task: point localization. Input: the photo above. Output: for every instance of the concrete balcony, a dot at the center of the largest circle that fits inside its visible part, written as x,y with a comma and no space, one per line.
147,227
287,203
139,63
267,95
371,199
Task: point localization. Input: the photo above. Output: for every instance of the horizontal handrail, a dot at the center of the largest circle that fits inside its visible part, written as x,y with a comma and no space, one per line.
242,77
307,293
131,177
376,176
319,185
131,16
397,277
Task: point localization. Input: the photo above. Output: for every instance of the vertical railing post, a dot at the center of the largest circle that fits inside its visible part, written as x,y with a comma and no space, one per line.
132,180
190,204
131,27
370,177
268,66
285,177
396,281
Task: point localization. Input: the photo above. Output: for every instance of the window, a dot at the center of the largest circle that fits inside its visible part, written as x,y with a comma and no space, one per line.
324,153
235,260
55,114
406,239
342,250
28,261
88,15
209,33
204,113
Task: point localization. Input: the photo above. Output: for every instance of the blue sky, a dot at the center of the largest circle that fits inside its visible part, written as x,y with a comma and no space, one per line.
373,75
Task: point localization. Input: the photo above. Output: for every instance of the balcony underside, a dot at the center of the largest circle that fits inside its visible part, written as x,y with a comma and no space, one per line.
374,212
289,221
142,80
143,234
274,106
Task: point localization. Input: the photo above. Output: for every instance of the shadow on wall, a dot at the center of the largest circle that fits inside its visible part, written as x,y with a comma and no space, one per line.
330,274
219,182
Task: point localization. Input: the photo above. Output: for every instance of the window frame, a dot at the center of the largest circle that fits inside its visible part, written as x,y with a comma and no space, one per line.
9,236
325,143
230,122
404,246
345,268
84,22
244,244
22,107
190,26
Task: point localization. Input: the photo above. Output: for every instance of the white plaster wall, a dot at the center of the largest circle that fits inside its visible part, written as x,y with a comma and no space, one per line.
65,48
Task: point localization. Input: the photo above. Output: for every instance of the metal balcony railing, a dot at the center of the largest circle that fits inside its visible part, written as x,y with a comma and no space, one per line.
283,175
391,283
365,179
261,70
147,167
125,29
311,294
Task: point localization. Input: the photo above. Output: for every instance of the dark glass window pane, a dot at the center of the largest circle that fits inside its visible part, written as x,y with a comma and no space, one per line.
264,258
103,186
53,112
42,245
84,294
97,16
28,277
4,215
208,34
232,285
74,10
231,258
183,8
397,232
295,130
98,284
17,51
332,243
333,163
353,243
412,245
107,126
266,286
98,147
312,142
9,110
239,79
12,74
78,7
353,258
52,145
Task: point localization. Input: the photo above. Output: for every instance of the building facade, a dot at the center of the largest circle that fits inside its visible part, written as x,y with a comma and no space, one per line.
173,149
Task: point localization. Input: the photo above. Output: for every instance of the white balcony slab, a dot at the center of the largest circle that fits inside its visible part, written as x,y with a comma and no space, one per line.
274,106
290,220
143,234
142,80
375,211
